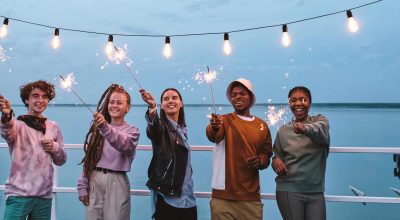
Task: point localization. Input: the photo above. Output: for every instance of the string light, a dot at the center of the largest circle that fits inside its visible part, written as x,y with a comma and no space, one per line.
110,46
55,43
167,48
227,46
352,23
3,29
285,36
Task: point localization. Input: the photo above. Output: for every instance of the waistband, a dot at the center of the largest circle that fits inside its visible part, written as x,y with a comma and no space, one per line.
105,170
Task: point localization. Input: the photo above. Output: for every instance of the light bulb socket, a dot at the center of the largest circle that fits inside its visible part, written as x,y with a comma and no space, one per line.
349,14
110,38
56,32
226,36
167,40
284,28
5,22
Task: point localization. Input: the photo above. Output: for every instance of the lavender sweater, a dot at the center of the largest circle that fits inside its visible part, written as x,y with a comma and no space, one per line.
31,172
120,141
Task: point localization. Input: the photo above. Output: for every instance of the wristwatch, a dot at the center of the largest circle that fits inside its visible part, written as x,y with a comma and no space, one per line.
6,118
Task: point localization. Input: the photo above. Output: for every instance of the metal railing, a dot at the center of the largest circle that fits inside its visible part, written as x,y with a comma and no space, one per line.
266,196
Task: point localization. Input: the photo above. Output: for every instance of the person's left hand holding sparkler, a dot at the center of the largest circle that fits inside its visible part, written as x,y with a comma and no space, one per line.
215,121
5,108
99,119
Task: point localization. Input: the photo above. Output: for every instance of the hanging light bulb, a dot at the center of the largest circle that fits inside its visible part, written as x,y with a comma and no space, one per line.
110,46
3,29
352,23
55,43
285,36
167,47
227,45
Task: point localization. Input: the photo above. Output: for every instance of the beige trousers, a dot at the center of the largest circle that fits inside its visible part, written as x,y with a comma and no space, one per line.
109,197
235,210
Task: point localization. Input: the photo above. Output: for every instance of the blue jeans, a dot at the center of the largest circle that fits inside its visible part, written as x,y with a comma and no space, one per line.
19,208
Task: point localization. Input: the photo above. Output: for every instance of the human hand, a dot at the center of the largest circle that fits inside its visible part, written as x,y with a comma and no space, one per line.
5,106
148,98
254,162
99,119
299,128
279,167
47,145
84,200
215,121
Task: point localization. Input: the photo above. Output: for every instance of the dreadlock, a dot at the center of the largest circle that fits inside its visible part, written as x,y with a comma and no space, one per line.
94,142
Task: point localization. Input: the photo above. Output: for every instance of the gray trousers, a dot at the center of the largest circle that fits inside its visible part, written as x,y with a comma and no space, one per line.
301,206
109,197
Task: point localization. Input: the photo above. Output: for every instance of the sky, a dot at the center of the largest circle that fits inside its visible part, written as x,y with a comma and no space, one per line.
338,66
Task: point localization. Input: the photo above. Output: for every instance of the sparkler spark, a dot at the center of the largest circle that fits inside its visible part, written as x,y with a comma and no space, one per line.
207,77
118,56
67,83
3,54
276,115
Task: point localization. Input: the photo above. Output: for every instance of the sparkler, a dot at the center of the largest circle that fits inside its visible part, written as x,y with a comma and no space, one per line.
207,77
276,115
120,56
67,83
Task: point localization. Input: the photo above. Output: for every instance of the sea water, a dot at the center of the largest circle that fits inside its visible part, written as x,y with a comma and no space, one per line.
350,126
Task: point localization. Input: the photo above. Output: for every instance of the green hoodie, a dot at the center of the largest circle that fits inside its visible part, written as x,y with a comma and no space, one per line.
304,155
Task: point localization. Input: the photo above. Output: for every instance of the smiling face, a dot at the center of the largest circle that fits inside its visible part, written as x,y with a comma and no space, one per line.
118,106
171,104
241,100
37,102
299,104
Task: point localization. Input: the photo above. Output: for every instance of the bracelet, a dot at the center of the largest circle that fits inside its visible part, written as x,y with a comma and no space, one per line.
7,118
155,106
152,109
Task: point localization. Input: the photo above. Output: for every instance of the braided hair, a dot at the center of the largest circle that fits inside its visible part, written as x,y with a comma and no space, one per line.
94,142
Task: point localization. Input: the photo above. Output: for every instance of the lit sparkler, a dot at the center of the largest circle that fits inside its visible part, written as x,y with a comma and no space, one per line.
120,55
276,115
67,83
207,77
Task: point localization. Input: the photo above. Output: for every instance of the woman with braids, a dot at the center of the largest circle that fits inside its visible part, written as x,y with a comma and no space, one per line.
170,172
110,146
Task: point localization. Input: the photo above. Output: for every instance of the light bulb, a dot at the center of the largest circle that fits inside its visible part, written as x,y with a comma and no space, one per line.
352,23
110,46
285,36
227,45
3,29
167,48
55,43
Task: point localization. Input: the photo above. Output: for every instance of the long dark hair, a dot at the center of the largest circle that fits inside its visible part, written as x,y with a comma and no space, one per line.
181,118
94,142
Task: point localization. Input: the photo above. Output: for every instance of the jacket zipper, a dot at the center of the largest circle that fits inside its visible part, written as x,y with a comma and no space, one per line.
173,172
169,164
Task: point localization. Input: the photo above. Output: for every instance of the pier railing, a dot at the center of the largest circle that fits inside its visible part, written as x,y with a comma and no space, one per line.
265,196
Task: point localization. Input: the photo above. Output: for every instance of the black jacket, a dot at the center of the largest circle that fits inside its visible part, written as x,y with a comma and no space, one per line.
167,168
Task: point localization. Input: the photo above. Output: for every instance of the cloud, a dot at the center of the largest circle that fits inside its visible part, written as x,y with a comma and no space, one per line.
201,5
